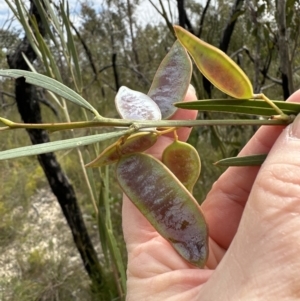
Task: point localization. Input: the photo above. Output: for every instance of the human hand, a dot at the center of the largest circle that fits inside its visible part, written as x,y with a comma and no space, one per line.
253,216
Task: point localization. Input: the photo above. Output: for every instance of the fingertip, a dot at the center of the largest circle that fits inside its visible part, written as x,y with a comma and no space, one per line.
295,97
187,114
191,93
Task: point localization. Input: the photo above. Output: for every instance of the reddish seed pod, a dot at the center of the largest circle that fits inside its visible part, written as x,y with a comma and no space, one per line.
216,66
184,161
166,204
135,143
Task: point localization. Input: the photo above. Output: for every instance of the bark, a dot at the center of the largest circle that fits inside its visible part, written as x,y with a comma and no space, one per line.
283,48
115,70
228,30
183,19
30,112
202,18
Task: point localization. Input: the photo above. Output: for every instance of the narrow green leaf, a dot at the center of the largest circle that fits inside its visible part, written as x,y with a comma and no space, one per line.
44,51
58,145
31,67
46,21
242,106
111,240
102,228
117,257
47,56
253,160
22,16
71,46
54,19
12,8
51,85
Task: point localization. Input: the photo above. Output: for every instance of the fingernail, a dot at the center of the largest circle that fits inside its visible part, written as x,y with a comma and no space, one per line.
294,130
192,89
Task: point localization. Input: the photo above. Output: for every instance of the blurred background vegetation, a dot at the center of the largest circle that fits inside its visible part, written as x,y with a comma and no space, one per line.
95,49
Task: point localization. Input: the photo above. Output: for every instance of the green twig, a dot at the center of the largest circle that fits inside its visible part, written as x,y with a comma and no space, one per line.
140,124
273,105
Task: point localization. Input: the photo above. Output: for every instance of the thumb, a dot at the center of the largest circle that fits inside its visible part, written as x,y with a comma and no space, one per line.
264,257
272,214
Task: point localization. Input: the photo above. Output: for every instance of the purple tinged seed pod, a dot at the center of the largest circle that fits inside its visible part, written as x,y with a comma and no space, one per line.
136,105
167,205
171,80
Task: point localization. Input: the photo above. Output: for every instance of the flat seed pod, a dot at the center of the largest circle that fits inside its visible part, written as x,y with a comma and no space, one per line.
184,161
136,105
171,80
216,66
135,143
166,204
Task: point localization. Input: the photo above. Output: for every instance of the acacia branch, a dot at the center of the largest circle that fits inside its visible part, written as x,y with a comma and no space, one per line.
202,18
163,13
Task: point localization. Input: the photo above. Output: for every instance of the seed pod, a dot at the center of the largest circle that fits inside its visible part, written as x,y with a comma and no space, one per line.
136,143
136,105
166,204
216,66
184,161
171,80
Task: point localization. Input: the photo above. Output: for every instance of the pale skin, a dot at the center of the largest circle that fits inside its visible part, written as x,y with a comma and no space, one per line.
253,214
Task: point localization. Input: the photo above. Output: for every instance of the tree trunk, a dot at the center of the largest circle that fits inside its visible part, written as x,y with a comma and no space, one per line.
114,66
283,48
228,30
30,112
182,16
202,18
